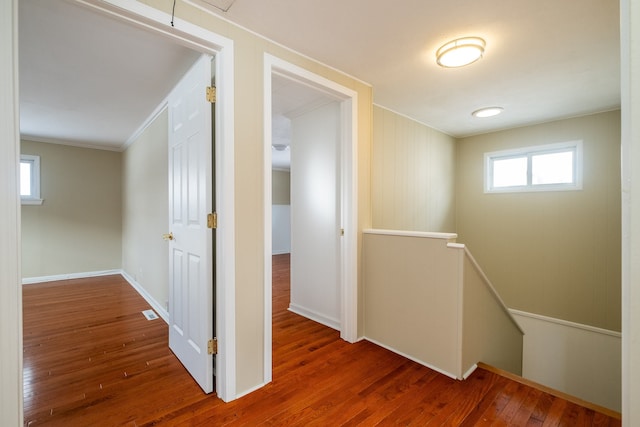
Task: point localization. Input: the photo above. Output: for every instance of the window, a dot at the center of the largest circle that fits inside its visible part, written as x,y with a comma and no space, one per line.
30,180
553,167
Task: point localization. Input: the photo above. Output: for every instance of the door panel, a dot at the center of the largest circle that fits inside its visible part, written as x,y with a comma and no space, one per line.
190,200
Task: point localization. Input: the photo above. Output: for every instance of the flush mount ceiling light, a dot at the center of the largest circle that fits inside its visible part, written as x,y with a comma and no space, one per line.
280,147
460,52
487,112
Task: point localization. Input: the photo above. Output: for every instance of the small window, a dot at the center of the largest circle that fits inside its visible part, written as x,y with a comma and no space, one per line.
553,167
30,180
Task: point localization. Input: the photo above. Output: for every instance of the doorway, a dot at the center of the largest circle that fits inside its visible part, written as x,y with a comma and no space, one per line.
306,129
152,21
330,183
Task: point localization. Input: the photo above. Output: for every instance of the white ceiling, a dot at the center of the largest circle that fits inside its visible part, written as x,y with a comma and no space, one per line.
289,99
545,59
88,78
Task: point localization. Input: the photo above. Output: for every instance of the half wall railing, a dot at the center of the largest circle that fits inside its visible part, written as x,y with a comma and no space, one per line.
426,298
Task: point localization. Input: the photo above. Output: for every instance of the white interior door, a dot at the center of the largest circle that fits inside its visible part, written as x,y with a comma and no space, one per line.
191,244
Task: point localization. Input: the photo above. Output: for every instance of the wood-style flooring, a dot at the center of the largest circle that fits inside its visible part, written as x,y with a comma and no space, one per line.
92,359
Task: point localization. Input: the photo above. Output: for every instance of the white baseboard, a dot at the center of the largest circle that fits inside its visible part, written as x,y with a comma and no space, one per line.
162,312
43,279
280,251
251,390
423,363
470,371
315,316
143,293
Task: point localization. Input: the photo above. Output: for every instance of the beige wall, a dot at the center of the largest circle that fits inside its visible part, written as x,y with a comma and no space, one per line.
579,360
413,184
490,334
249,53
425,299
78,227
551,253
280,187
145,212
407,310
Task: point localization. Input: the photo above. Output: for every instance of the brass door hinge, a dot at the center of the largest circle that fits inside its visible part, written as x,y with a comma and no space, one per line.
212,220
212,346
211,94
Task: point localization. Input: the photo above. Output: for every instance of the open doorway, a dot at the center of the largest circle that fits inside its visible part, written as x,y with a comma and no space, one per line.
150,22
311,122
305,155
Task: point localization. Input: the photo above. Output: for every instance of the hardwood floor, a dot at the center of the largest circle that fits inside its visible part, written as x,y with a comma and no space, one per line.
92,359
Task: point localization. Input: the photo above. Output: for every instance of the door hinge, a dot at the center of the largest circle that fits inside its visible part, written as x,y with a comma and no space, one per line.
211,94
212,220
212,346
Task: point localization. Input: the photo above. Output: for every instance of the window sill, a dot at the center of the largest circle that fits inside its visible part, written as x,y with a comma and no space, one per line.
34,202
535,189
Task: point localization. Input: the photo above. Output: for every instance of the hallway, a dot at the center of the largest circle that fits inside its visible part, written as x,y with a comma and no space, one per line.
91,358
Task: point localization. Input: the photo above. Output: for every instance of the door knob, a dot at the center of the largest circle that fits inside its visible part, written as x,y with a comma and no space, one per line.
167,236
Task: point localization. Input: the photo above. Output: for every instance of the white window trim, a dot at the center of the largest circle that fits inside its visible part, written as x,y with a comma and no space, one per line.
533,150
34,198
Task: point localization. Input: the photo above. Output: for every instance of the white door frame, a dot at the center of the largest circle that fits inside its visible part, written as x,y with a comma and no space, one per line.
348,99
208,42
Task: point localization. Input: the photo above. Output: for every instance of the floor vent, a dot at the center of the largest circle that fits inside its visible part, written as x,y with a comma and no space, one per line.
150,314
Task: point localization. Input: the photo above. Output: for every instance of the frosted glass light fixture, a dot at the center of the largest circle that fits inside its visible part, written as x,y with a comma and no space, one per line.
487,112
460,52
